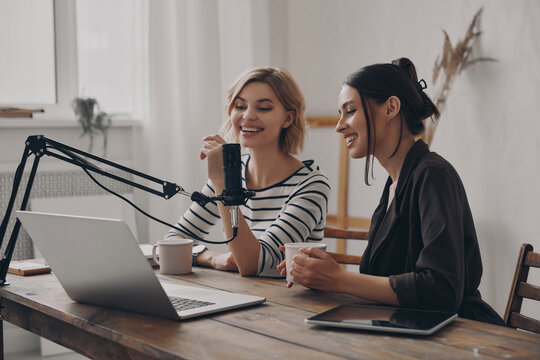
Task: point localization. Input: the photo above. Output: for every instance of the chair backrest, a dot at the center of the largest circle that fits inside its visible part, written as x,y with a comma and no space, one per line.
522,289
341,220
345,235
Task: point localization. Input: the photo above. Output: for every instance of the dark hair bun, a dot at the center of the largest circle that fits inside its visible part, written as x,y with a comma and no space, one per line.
408,67
429,109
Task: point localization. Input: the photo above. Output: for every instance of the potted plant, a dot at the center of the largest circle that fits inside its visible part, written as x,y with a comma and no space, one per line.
92,120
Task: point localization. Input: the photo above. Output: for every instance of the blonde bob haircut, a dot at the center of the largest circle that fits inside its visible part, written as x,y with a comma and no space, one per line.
291,139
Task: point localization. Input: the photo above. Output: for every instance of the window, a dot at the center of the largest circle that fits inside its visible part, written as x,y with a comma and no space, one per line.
107,41
100,52
27,69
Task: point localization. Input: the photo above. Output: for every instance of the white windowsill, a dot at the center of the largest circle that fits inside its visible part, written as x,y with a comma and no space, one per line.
24,123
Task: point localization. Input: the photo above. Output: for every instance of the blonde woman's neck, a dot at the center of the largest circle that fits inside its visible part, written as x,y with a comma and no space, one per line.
267,168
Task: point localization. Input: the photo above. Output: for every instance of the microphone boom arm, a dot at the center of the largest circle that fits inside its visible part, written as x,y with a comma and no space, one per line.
39,146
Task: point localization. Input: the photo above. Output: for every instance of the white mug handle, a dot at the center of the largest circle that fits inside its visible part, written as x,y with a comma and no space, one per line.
154,255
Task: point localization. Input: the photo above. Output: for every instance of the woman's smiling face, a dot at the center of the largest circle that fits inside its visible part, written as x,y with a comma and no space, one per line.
258,116
352,122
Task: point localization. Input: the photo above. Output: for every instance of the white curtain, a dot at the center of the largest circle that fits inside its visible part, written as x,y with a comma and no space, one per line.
196,50
185,101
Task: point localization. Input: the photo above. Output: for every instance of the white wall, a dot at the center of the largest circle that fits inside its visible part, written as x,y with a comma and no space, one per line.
489,130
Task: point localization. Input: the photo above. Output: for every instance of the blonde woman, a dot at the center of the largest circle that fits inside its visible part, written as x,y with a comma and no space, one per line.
265,114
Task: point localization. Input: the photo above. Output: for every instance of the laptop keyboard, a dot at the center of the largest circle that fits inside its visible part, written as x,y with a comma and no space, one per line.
186,304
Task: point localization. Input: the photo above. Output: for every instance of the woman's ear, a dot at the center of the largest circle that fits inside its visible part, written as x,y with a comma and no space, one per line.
289,120
393,106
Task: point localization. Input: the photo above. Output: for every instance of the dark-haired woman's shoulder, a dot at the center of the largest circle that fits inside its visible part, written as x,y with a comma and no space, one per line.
437,174
433,163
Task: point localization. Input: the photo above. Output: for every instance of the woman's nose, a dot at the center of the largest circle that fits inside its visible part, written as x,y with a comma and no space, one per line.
340,126
249,113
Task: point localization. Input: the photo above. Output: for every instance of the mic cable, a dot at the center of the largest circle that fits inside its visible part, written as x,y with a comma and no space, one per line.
185,232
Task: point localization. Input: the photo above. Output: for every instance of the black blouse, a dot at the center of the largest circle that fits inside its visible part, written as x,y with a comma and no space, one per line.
426,241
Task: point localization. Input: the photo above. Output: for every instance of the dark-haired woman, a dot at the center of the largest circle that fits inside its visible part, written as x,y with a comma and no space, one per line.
422,250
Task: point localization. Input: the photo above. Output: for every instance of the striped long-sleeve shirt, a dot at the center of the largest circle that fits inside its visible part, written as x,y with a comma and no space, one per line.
293,210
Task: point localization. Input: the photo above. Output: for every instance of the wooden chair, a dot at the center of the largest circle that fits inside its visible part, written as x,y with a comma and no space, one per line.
522,289
337,224
345,235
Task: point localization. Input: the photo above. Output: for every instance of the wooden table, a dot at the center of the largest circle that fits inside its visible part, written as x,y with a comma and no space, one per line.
274,330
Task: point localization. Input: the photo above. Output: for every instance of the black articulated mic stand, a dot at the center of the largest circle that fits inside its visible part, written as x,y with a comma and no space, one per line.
39,145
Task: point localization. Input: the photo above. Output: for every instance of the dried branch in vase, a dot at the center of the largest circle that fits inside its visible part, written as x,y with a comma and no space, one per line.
449,65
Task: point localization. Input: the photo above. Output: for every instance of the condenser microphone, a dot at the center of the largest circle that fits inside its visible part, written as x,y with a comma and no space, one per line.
233,194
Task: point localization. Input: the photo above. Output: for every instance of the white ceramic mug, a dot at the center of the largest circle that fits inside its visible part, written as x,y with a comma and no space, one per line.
291,249
174,256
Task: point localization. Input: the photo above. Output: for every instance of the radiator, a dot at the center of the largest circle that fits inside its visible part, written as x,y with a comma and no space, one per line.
64,191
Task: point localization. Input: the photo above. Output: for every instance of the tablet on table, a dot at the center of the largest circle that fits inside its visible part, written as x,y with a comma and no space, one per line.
383,318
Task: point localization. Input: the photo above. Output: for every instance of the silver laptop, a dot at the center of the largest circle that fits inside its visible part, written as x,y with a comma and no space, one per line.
98,261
